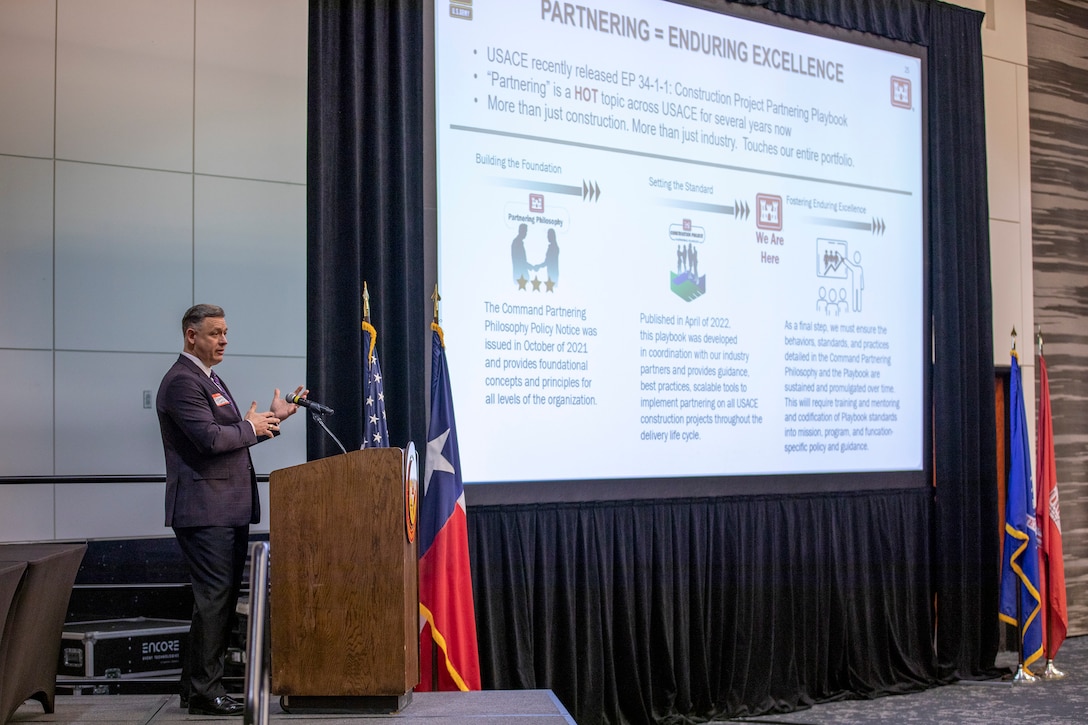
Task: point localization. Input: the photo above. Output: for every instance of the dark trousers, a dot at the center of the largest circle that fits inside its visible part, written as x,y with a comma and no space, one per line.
217,557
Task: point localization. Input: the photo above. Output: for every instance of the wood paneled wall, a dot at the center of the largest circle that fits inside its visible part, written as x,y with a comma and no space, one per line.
1058,100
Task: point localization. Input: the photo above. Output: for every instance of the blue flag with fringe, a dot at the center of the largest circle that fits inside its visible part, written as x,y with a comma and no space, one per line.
1020,557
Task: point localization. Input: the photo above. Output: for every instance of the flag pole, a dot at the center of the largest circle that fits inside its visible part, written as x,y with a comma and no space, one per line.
366,326
1050,672
435,297
1022,673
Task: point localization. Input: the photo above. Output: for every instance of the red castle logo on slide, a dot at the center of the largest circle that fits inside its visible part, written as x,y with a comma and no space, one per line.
769,212
901,97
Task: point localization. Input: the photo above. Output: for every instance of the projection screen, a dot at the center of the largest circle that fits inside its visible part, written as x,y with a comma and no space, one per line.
676,245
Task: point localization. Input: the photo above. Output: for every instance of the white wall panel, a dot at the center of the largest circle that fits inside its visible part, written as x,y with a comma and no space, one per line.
106,430
1023,128
1007,278
250,258
27,52
26,427
254,379
1003,156
250,118
26,512
106,107
103,427
1005,30
110,510
26,252
123,257
125,82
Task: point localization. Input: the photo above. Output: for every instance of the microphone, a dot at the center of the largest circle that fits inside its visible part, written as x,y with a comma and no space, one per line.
307,403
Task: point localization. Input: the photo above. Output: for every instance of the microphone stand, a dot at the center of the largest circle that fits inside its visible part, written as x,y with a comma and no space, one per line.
320,420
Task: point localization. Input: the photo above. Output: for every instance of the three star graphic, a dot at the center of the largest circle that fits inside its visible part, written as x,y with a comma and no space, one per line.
535,282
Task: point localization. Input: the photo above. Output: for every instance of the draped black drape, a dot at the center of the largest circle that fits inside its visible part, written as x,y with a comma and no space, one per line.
681,610
659,611
365,215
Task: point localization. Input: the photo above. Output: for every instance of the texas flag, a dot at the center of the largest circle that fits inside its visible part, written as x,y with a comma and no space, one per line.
447,616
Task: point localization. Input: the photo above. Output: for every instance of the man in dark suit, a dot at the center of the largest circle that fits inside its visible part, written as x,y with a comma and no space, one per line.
211,494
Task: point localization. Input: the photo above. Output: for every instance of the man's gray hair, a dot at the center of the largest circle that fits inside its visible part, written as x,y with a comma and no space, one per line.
195,315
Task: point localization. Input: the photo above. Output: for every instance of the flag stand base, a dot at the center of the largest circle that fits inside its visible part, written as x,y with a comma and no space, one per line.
1051,672
1022,675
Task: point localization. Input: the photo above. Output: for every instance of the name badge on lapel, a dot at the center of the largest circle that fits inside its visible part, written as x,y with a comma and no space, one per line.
220,400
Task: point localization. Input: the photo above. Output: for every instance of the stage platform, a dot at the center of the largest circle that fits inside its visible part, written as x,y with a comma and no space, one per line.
521,707
985,702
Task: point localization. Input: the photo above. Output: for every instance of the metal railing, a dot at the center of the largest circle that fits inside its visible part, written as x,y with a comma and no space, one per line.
257,686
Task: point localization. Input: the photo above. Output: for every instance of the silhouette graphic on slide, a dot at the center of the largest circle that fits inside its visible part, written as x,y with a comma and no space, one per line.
517,257
857,280
522,268
834,261
551,259
686,283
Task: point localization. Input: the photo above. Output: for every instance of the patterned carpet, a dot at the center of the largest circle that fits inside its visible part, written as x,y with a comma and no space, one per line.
1054,702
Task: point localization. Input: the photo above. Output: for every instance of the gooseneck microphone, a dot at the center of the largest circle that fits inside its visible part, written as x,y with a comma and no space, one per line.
311,404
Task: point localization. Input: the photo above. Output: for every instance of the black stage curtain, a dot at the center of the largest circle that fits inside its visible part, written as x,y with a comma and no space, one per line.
364,215
680,610
665,611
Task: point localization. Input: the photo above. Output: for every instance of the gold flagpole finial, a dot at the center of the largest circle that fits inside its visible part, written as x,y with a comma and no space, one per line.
1039,338
435,298
1014,339
366,302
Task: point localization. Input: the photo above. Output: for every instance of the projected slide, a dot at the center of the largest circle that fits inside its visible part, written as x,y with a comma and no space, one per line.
676,243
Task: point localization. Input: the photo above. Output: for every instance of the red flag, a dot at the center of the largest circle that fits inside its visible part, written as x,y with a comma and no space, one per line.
1051,566
447,614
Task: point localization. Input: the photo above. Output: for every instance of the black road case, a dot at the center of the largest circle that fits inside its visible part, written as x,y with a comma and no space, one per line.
122,648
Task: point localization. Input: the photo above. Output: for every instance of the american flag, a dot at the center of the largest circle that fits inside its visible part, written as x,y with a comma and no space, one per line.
375,429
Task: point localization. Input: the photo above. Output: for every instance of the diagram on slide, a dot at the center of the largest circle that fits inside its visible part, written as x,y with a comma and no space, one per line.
686,282
840,270
536,239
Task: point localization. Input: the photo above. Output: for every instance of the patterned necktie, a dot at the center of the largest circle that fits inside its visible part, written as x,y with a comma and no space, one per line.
219,384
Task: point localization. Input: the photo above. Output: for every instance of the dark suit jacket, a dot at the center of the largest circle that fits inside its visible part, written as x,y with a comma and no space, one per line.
209,474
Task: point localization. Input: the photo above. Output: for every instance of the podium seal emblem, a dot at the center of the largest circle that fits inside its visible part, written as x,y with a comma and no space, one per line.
411,491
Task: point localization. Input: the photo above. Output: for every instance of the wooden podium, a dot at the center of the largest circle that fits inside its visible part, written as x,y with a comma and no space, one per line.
344,602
